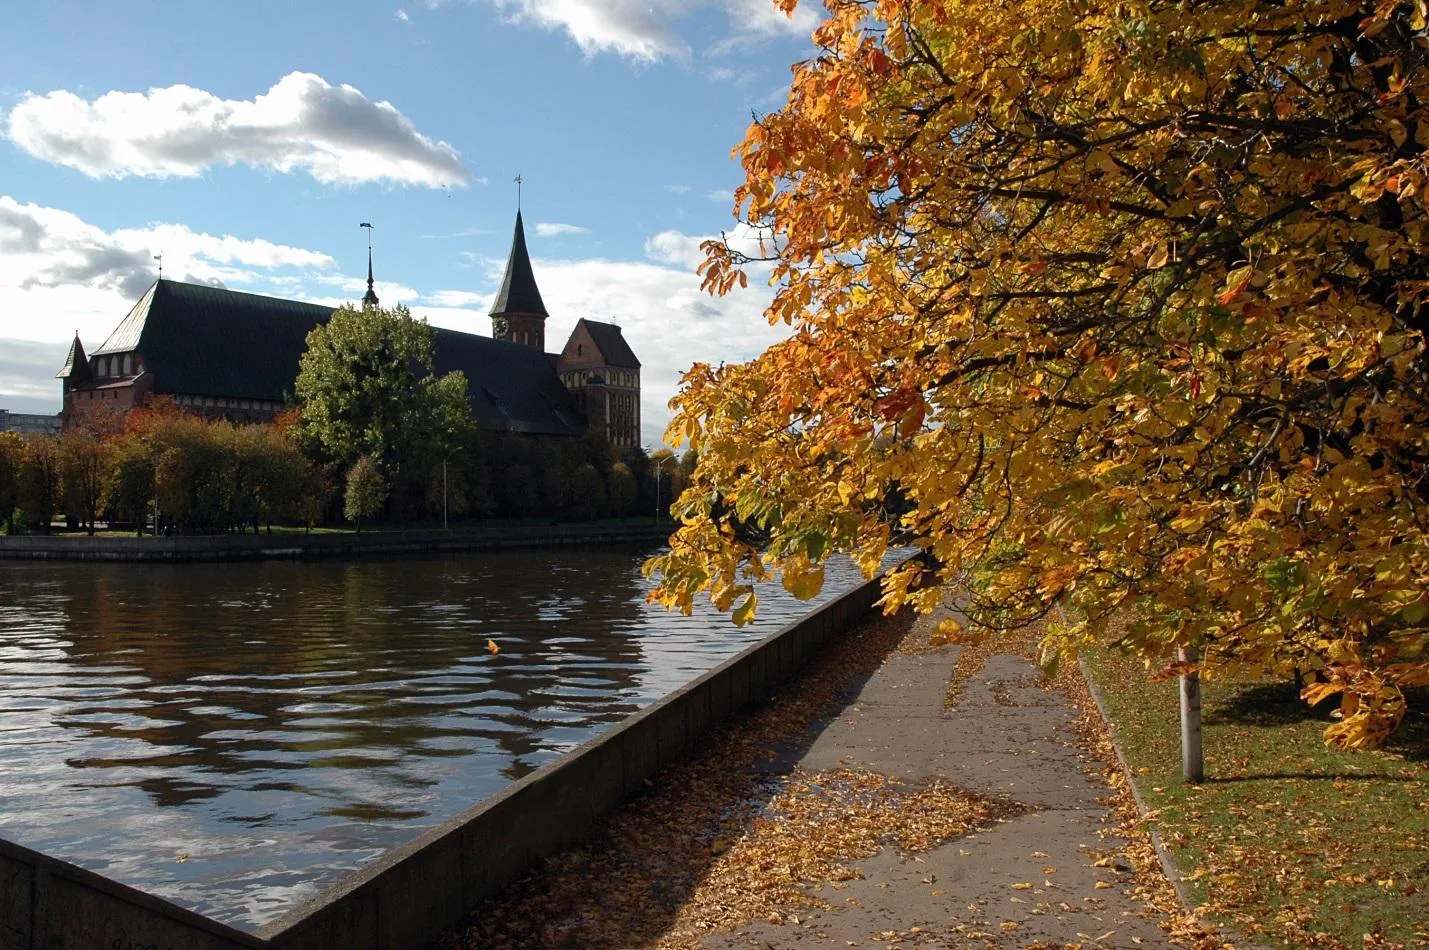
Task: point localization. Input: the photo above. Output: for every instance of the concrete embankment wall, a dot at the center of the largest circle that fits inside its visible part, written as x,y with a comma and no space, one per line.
255,547
410,895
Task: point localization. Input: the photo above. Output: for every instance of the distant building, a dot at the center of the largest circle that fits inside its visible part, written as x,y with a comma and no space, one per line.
225,353
29,423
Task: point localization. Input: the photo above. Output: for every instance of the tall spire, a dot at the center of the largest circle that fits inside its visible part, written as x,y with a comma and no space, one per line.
369,299
519,294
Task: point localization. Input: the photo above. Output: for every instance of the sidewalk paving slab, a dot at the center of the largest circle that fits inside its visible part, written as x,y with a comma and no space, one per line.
1031,879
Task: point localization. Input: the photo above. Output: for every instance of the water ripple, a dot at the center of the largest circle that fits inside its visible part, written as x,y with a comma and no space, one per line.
235,737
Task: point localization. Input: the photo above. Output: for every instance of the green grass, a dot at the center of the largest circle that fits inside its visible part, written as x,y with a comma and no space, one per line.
1289,841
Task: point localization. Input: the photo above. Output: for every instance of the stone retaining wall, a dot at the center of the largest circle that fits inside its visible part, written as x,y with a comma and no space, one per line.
255,547
407,897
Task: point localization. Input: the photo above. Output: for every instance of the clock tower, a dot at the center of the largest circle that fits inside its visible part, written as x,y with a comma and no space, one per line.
518,315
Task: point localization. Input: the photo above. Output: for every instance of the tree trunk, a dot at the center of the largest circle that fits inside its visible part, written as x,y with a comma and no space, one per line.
1193,766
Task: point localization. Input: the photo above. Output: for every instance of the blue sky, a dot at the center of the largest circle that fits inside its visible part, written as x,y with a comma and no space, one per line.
245,142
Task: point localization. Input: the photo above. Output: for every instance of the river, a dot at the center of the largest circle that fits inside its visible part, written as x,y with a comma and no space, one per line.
236,737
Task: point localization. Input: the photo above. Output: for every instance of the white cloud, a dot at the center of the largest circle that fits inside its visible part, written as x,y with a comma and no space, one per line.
677,189
665,317
721,194
401,16
60,274
334,133
457,299
556,229
678,248
643,29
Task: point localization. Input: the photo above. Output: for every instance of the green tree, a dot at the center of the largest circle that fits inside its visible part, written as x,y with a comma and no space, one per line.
366,491
129,482
367,386
621,491
587,493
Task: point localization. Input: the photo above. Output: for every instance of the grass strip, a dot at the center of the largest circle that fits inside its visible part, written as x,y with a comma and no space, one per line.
1289,841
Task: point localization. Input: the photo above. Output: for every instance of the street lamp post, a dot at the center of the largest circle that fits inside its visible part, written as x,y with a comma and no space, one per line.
658,466
445,459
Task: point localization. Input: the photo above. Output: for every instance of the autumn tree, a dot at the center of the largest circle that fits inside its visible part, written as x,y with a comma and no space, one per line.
83,467
11,450
39,481
1118,307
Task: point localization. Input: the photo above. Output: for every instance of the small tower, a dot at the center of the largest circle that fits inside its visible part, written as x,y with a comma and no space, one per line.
518,315
76,372
369,299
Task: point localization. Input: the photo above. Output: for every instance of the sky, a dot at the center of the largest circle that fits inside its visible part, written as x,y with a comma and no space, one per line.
245,142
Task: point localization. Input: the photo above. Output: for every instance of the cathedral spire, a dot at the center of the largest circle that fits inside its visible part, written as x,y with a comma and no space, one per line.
369,299
519,293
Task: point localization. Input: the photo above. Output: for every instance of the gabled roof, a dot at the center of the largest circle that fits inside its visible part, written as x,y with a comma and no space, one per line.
519,294
611,343
208,341
76,366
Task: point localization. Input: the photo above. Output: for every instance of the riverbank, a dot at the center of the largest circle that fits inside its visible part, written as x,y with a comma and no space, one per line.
486,537
901,794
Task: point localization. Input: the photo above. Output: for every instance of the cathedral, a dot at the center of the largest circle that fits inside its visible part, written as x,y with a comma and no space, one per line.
223,353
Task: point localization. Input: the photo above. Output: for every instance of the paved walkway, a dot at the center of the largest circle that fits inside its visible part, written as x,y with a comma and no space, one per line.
1032,880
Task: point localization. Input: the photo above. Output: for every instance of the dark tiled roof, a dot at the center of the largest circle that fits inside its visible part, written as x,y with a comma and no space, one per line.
76,366
519,293
512,387
611,343
207,341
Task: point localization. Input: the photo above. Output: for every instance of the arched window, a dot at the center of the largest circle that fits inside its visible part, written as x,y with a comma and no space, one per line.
128,364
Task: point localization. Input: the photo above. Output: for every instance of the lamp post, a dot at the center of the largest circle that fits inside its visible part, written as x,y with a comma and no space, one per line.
658,466
445,459
153,482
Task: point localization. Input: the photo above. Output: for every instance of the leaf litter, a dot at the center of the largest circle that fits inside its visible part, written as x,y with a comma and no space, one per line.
722,839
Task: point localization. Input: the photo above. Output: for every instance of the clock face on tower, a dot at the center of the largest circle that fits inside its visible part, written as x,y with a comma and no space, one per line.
500,327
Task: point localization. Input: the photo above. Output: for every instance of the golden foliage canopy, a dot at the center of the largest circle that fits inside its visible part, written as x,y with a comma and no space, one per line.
1113,304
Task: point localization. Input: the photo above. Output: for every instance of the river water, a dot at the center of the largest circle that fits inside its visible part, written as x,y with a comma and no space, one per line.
236,737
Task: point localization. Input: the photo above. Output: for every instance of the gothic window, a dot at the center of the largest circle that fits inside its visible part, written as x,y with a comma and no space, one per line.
128,364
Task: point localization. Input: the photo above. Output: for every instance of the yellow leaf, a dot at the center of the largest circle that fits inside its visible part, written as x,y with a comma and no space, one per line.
745,611
492,647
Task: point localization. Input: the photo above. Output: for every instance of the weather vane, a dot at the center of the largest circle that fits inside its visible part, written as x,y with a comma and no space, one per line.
364,224
517,179
160,259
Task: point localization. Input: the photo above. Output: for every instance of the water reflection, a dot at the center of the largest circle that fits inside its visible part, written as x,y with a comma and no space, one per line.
235,737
